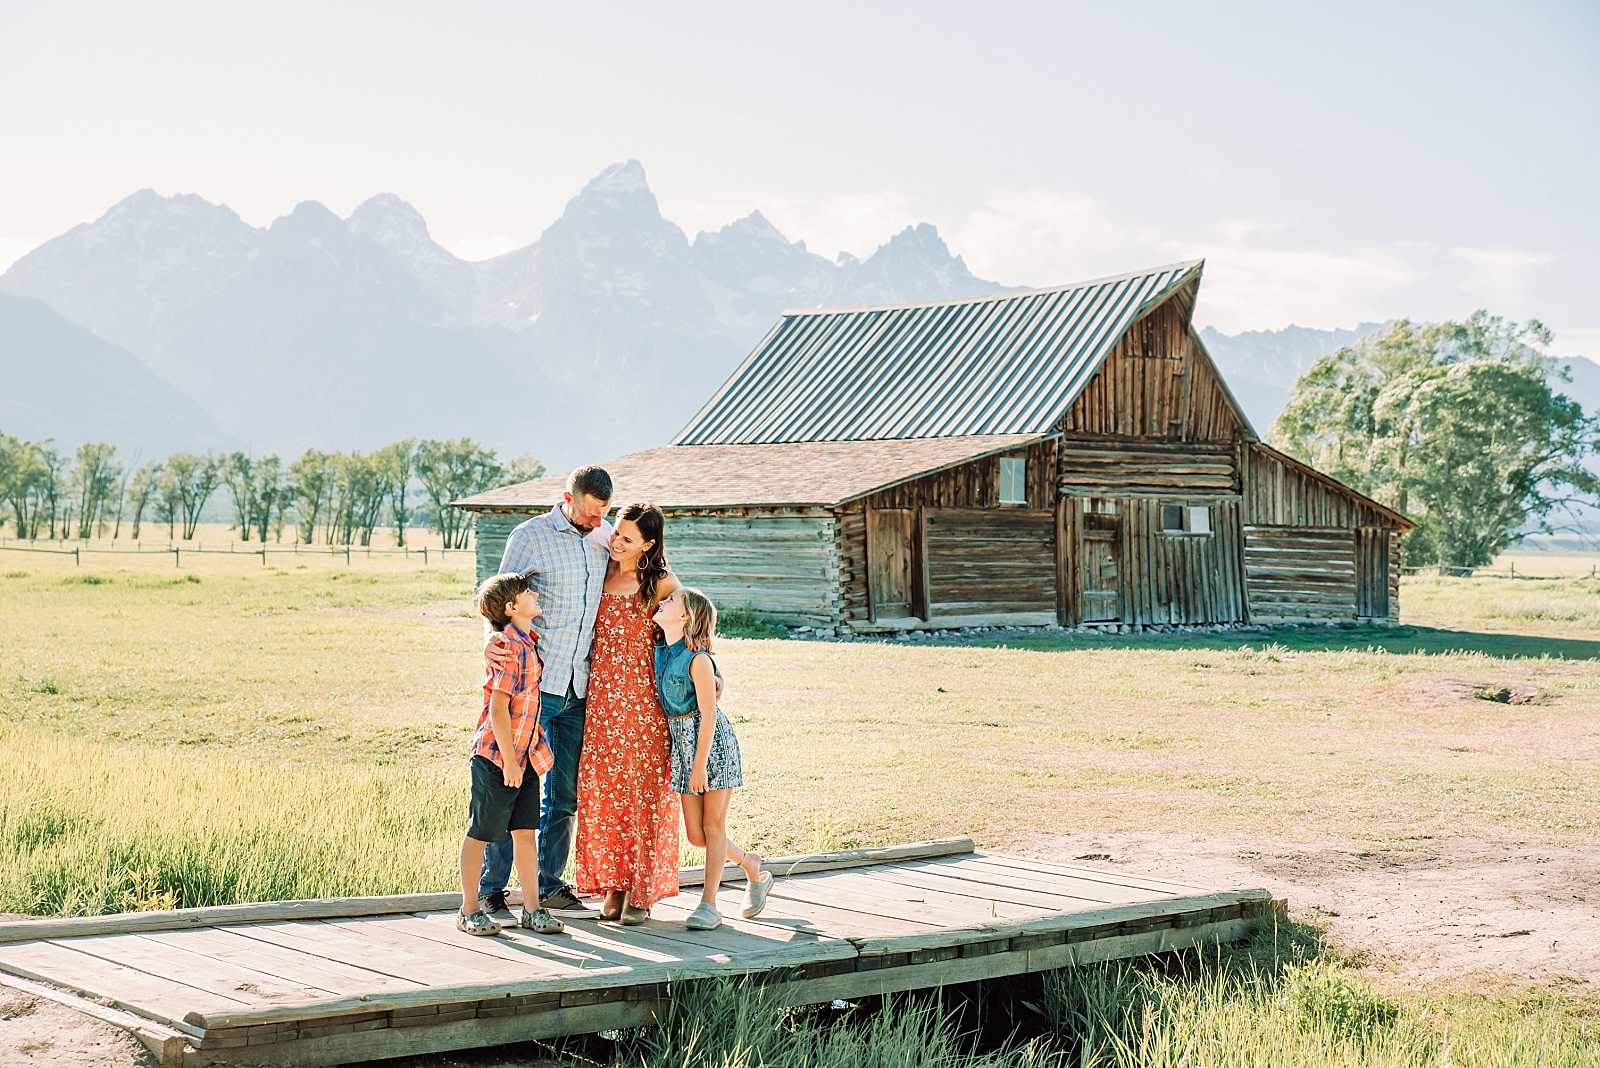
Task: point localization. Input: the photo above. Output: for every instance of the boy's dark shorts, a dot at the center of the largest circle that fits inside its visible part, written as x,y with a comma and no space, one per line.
496,808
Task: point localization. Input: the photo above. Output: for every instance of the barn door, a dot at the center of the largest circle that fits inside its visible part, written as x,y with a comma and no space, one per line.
1372,573
889,575
1100,551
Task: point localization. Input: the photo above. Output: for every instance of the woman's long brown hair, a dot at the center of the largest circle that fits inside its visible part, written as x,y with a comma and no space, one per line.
653,561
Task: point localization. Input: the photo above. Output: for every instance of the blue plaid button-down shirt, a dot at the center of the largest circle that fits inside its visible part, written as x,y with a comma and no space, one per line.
567,568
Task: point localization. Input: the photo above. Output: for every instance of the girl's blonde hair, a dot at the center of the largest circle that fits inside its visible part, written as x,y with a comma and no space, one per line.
702,625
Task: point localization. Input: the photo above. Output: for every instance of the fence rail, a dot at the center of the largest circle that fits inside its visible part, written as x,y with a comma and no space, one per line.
177,551
1492,572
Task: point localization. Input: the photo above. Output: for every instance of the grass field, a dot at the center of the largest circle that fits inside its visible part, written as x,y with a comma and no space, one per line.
229,731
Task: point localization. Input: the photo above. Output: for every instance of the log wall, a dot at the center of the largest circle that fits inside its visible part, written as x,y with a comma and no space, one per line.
982,562
1280,493
490,530
1297,573
786,568
1148,469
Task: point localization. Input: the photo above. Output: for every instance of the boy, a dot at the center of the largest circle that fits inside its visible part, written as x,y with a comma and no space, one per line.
509,753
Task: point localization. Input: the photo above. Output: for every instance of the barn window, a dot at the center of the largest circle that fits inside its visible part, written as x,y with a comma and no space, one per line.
1013,480
1172,518
1199,521
1179,519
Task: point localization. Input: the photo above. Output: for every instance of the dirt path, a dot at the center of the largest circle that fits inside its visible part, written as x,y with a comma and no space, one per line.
1451,910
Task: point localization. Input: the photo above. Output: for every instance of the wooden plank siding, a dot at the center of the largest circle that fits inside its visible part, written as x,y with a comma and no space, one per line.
1181,577
1284,494
1148,469
982,562
489,539
1157,384
785,568
1296,573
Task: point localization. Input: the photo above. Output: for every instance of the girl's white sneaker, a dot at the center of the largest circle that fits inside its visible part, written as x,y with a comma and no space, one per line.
703,918
755,895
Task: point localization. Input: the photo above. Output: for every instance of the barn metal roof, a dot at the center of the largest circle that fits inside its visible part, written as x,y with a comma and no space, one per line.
1008,363
821,473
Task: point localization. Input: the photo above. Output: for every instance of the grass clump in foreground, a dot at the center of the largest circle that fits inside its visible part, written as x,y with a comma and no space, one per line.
1250,1006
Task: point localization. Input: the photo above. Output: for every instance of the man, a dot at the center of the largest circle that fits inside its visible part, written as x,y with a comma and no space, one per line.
563,554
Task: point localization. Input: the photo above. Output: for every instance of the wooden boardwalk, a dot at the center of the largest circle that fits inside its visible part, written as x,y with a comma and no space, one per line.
328,982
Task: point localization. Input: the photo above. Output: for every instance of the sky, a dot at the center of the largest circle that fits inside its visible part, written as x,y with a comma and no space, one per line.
1334,164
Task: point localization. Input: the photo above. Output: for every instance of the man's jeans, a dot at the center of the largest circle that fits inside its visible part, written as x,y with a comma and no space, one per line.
562,720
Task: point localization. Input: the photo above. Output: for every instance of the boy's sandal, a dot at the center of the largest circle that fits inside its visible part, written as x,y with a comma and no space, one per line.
478,923
540,921
703,918
755,895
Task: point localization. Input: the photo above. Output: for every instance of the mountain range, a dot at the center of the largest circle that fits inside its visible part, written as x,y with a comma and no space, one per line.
600,338
170,322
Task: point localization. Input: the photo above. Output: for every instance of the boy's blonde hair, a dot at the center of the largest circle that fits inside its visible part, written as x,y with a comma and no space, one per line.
496,593
702,625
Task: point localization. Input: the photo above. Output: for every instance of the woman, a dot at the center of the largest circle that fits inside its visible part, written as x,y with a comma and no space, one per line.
627,841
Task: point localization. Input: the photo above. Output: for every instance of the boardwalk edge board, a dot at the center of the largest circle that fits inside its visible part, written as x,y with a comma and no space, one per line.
344,907
626,986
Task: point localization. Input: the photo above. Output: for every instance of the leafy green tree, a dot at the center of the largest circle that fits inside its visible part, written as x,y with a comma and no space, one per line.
312,482
144,487
449,471
523,467
1454,423
95,472
187,482
22,477
52,484
257,488
398,462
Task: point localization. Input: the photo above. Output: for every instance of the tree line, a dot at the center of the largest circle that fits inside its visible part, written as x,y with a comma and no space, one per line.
338,498
1455,424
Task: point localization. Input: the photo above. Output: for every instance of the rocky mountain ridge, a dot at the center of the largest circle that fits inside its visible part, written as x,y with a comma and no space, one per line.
600,338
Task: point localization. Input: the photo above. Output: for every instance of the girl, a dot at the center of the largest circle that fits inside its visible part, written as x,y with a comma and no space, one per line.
705,753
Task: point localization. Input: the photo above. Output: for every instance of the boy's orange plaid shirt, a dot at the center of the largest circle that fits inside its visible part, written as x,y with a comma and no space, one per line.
521,684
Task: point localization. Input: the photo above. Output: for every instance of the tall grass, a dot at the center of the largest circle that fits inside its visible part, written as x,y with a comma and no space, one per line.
88,828
1228,1011
1223,1009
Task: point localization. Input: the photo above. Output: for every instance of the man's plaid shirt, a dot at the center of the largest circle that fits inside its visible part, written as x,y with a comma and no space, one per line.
567,569
521,684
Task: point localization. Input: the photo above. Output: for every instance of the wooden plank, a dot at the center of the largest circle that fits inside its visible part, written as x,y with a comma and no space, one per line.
222,915
988,865
805,863
602,979
237,982
858,890
536,957
290,965
154,997
1113,915
422,964
822,921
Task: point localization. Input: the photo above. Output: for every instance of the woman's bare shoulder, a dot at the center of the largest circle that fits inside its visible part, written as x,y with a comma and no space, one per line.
667,584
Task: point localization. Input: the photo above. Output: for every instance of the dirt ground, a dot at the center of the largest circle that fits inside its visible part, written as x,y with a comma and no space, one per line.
1437,911
1455,911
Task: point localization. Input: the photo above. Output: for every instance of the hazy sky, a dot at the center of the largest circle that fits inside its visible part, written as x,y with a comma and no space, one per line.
1333,163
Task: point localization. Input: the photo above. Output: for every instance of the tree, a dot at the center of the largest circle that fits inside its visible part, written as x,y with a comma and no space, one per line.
398,461
95,471
187,483
52,465
1455,423
22,476
312,484
145,485
449,471
257,488
523,467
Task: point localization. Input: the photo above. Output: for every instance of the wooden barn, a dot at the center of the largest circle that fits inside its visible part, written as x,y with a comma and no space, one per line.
1066,455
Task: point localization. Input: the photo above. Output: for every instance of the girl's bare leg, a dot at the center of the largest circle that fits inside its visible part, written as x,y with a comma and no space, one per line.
714,829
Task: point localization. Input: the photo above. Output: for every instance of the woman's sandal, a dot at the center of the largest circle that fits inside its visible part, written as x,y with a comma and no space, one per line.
611,908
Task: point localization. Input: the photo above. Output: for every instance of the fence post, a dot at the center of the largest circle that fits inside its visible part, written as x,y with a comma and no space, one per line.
347,556
1513,569
263,558
177,556
76,560
424,556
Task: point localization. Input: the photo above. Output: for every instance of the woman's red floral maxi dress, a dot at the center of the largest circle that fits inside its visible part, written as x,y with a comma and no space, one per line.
627,818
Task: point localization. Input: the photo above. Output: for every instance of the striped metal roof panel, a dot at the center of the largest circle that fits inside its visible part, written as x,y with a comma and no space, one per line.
1008,363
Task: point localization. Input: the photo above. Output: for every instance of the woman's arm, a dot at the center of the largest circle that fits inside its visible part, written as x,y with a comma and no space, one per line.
701,674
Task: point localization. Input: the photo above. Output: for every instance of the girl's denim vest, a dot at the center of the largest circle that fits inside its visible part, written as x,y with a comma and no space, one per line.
673,684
